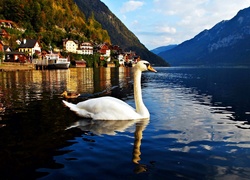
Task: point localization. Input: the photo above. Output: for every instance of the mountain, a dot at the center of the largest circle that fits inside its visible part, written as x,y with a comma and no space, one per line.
227,43
119,33
160,49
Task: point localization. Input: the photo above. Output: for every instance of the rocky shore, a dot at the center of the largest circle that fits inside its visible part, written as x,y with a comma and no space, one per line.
16,66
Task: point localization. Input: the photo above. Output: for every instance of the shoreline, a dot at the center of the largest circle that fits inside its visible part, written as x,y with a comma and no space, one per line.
6,66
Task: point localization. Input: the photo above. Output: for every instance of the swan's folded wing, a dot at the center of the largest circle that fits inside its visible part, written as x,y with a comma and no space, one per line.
108,108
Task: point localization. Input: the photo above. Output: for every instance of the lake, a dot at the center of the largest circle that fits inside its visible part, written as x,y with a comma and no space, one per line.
198,127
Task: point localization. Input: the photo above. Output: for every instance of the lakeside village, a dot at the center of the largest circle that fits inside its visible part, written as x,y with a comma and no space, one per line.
29,51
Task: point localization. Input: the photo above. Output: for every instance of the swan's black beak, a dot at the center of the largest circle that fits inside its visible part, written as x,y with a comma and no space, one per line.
150,68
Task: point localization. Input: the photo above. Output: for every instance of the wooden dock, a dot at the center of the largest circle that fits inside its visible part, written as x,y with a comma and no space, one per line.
41,64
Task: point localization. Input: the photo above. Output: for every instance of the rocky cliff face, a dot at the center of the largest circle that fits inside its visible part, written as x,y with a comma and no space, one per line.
118,32
227,43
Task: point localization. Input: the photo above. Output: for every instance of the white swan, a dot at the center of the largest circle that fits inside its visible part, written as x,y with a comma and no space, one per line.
110,108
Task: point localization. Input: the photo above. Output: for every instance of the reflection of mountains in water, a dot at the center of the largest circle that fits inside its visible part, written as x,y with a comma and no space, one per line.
226,89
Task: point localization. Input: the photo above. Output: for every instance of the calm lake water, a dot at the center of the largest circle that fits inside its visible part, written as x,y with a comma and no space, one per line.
198,129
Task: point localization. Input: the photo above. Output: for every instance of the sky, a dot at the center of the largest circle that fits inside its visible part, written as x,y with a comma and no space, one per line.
163,22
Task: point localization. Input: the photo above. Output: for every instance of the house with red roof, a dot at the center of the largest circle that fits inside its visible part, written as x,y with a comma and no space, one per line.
105,52
7,23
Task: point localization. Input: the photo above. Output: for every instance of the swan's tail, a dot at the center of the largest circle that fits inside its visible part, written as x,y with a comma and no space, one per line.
71,106
79,111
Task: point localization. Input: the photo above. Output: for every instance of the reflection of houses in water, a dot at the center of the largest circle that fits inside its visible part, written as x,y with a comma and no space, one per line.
13,83
85,80
104,79
107,78
110,77
51,80
88,79
124,76
80,80
72,81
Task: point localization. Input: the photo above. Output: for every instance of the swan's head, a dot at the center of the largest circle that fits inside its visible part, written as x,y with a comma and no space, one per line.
144,66
65,93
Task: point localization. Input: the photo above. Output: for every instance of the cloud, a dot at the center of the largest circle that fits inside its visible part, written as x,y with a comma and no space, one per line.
168,21
195,12
187,19
165,29
154,42
131,6
135,23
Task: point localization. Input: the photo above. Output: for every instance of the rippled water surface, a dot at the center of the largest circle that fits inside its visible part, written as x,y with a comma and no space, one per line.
198,129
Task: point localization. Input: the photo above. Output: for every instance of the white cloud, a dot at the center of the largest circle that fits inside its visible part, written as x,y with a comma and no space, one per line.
165,29
154,42
135,23
124,17
131,6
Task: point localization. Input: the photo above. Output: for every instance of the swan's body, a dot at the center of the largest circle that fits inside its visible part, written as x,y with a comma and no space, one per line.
109,108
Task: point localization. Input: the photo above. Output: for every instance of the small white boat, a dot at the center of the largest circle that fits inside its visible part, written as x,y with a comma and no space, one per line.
55,62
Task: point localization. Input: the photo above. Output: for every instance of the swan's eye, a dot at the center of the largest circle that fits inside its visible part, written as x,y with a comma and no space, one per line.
147,64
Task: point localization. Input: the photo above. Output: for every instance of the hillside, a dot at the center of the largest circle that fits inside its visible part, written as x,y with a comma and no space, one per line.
119,33
227,43
52,20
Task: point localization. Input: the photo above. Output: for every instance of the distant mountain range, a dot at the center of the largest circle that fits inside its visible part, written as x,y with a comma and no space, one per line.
163,48
226,44
119,33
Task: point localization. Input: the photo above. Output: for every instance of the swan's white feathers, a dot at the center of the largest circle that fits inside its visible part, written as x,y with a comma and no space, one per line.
104,108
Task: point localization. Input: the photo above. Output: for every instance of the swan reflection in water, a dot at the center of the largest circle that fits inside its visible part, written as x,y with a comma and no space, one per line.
111,127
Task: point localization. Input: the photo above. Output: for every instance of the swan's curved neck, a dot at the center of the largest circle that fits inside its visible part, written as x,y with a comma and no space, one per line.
140,107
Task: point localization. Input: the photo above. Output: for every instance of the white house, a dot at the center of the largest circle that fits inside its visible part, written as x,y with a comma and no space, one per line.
29,46
86,48
71,46
121,59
